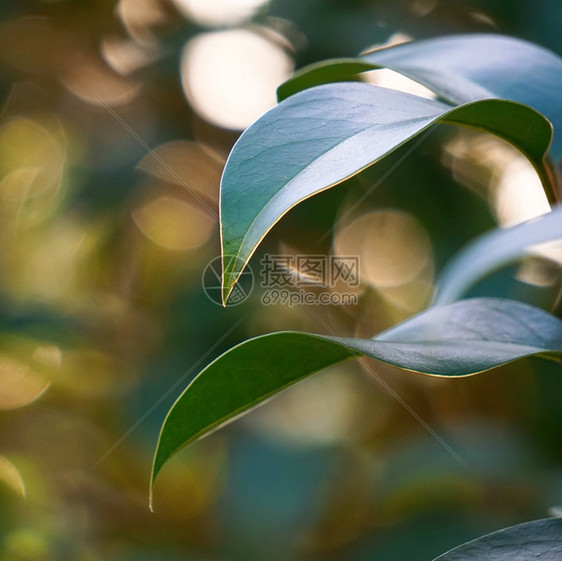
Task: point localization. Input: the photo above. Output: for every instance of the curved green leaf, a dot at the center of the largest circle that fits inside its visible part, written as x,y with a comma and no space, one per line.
540,539
460,68
321,136
323,72
492,251
464,338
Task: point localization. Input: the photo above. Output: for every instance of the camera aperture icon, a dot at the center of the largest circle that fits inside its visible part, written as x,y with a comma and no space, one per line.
211,282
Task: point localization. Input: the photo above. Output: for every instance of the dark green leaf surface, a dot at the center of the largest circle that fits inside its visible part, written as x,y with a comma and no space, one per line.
323,72
531,541
464,338
321,136
460,69
492,251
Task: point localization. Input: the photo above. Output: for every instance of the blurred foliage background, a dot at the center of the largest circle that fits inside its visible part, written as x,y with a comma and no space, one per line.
115,122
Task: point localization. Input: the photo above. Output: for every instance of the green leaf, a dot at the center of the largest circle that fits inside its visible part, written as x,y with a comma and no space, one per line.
540,539
464,338
324,135
460,68
492,251
323,72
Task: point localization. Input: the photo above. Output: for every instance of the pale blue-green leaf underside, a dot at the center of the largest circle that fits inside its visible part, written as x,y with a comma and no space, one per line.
321,136
540,540
492,251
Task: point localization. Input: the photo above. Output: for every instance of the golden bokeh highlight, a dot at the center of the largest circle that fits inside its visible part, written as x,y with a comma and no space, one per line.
499,172
230,77
32,163
173,223
89,78
58,265
218,13
392,245
28,544
17,184
423,8
189,165
48,355
518,194
317,411
20,385
126,56
11,477
142,19
395,256
201,477
101,375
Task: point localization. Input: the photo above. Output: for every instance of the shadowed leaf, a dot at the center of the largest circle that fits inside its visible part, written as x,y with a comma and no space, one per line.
464,338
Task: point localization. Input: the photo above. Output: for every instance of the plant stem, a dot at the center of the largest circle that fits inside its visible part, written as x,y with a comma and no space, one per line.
553,182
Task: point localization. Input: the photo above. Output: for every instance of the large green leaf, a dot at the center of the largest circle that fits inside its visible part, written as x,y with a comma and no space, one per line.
492,251
460,68
324,72
323,135
464,338
540,539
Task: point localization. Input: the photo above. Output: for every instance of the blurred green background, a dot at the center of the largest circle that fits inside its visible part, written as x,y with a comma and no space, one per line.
115,122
